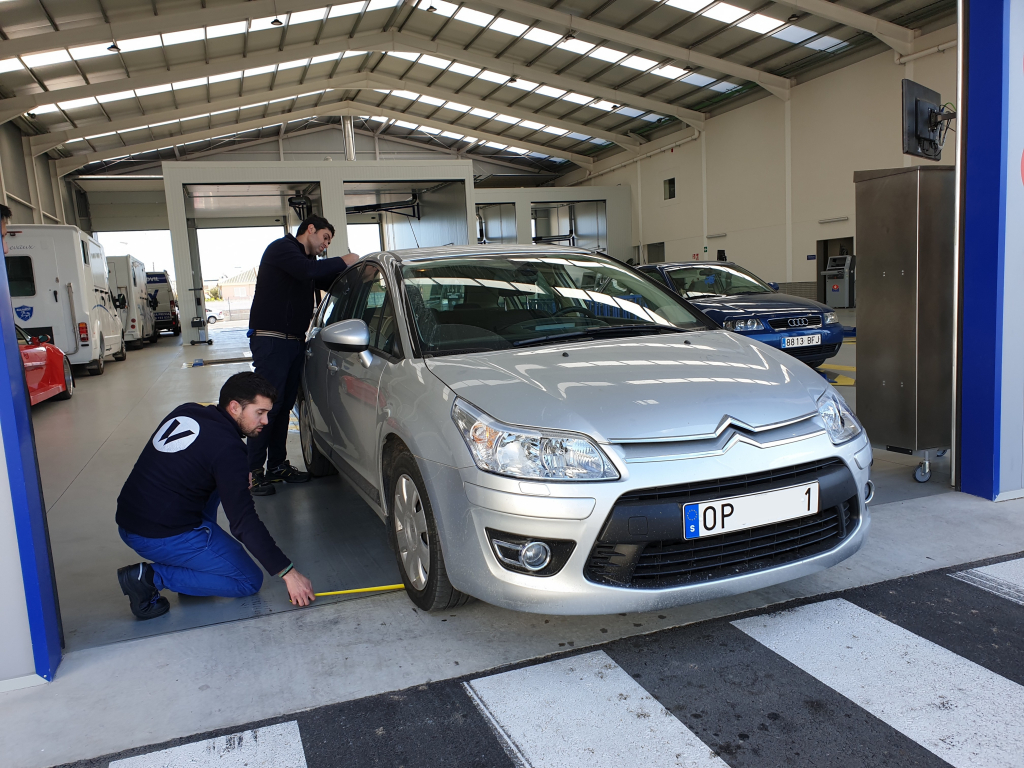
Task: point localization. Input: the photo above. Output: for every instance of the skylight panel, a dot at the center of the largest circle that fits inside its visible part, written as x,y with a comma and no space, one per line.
163,88
509,27
90,52
578,98
451,135
793,34
576,46
689,5
404,124
139,43
507,119
456,106
554,93
607,54
470,16
78,103
464,69
432,101
189,83
157,125
638,62
607,106
577,136
523,85
223,30
121,96
724,87
529,124
382,90
99,135
406,95
346,54
322,59
404,55
629,111
482,113
431,131
259,71
376,5
44,109
72,141
44,59
760,23
555,131
672,73
223,111
495,144
542,36
226,76
10,65
539,155
304,17
823,43
494,77
698,80
517,150
293,64
441,8
653,117
267,22
434,61
725,13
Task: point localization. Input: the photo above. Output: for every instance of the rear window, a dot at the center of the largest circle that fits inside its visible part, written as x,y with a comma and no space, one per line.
19,276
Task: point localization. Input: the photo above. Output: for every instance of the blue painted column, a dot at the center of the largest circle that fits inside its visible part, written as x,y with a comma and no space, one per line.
992,367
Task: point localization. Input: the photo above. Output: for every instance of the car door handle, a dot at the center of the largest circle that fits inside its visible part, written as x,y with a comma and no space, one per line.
331,366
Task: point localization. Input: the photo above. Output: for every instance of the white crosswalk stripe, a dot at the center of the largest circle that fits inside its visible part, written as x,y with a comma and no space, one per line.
1003,579
274,746
584,711
953,707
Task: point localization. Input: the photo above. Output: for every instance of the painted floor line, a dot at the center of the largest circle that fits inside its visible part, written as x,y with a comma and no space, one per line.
1003,579
953,707
274,746
583,711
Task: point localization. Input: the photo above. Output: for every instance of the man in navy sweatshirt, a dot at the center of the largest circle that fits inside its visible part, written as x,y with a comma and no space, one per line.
289,275
167,510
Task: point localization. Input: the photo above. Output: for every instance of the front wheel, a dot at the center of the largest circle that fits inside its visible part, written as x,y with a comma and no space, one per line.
177,330
416,542
96,369
316,463
211,320
121,354
69,382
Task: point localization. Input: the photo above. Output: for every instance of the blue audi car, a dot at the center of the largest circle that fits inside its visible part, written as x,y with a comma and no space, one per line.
741,302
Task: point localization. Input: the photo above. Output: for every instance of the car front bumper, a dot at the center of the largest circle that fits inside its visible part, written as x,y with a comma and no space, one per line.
831,340
468,501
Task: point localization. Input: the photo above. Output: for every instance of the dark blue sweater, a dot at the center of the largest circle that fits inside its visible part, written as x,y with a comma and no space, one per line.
284,298
195,451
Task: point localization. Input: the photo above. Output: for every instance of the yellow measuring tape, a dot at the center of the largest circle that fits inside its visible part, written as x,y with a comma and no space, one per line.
364,589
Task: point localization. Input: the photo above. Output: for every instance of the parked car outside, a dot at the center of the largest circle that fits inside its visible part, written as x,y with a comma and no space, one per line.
213,316
47,369
547,430
740,301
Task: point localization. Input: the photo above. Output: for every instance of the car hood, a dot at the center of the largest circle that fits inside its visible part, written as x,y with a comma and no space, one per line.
773,303
652,387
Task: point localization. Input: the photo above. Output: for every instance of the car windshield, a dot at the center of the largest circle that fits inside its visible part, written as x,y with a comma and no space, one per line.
715,280
482,303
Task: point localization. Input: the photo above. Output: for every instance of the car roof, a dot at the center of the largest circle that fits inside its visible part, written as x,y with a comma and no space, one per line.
704,262
408,255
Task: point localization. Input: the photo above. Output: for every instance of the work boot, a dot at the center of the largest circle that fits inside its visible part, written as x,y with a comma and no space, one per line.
137,583
261,485
287,473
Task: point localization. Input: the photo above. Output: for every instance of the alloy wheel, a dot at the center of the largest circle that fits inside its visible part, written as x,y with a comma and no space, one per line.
69,381
411,532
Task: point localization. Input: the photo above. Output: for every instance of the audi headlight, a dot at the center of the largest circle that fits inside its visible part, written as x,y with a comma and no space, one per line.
750,324
528,453
840,423
830,318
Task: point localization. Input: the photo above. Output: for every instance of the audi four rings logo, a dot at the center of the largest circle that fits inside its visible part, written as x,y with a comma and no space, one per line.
797,322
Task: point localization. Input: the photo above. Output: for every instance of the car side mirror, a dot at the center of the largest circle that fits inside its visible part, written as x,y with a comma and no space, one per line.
33,340
349,336
44,339
773,286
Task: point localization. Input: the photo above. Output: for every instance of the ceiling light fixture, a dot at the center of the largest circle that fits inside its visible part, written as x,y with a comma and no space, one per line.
114,48
513,79
793,18
276,22
432,9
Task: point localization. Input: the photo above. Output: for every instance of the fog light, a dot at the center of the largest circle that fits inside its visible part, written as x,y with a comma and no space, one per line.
535,555
869,491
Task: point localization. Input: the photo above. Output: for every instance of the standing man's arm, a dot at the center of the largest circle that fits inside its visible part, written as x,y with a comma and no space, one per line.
303,268
231,473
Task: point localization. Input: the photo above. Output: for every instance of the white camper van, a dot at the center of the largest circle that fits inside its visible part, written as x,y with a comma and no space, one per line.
58,279
165,302
127,277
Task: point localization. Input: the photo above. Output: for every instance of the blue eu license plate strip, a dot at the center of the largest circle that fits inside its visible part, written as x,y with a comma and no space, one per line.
691,521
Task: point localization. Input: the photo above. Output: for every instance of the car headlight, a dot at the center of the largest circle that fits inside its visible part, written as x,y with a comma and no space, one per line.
751,324
528,453
840,423
830,318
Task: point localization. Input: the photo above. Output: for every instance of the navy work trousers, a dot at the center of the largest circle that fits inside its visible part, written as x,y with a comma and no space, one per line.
279,361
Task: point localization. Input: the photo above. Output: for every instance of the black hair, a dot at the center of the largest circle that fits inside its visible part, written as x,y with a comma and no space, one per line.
243,388
5,212
318,222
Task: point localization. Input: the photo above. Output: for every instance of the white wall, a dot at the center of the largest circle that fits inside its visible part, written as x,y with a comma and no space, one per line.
845,121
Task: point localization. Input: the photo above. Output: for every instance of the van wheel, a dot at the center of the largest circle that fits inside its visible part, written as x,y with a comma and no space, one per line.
316,463
177,330
415,540
69,382
123,353
155,337
96,367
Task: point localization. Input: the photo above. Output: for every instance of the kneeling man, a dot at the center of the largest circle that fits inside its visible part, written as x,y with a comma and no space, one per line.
167,510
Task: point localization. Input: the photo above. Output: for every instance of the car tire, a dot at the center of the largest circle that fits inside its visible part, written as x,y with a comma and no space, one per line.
317,464
69,382
176,330
138,344
414,537
211,320
122,354
96,367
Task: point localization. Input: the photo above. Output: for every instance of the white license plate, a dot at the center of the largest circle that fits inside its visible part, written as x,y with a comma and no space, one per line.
802,341
713,518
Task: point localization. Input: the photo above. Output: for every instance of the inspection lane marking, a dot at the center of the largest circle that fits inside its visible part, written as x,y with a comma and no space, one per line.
273,746
1003,579
840,367
583,711
962,712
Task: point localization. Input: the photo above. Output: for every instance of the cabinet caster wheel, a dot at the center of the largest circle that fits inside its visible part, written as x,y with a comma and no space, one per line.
922,474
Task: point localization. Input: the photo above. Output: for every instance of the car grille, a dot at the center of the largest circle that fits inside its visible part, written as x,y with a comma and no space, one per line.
803,321
662,562
814,353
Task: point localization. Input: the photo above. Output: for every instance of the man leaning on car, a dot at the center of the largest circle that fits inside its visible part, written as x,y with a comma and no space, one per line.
289,274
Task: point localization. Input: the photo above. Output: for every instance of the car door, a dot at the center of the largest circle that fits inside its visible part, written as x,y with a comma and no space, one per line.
356,403
331,310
